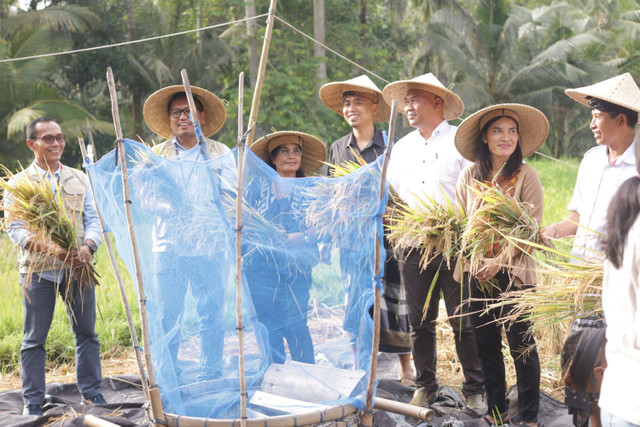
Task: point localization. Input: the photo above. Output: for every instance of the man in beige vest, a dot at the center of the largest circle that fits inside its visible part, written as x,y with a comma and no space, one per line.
48,265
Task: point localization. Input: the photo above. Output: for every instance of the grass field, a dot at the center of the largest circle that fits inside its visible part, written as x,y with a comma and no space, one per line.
557,179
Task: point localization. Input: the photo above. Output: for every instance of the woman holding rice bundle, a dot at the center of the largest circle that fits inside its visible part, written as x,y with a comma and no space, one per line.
497,139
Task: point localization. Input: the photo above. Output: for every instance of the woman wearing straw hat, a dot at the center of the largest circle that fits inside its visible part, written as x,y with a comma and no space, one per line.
280,280
497,139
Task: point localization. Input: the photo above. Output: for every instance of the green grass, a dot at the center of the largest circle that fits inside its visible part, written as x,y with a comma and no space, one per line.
557,179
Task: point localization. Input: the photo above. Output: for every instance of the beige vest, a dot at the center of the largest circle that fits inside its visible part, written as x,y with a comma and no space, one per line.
168,150
72,190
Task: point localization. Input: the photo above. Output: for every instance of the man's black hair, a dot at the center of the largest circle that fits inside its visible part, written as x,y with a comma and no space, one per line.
177,95
613,110
32,132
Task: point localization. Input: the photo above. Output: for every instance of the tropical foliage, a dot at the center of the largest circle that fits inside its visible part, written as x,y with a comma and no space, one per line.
491,50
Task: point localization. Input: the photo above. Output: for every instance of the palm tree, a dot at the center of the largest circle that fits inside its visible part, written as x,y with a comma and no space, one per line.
29,86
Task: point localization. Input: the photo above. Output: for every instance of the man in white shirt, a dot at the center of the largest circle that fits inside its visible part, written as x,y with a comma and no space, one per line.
614,105
425,163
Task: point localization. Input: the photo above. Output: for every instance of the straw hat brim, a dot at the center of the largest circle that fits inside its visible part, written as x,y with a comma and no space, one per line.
453,104
157,118
621,90
331,95
533,128
314,152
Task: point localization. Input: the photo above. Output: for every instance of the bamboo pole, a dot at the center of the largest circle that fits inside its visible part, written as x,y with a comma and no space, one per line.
194,114
367,418
154,391
255,103
116,272
240,324
93,421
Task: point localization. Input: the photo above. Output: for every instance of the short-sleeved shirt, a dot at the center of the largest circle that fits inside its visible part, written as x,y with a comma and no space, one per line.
342,150
597,182
420,166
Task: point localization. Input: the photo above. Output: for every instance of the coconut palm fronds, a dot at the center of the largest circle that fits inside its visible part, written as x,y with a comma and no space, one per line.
500,225
431,227
38,208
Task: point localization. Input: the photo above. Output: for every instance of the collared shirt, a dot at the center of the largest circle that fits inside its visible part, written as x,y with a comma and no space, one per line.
621,305
597,182
341,151
92,230
420,166
195,153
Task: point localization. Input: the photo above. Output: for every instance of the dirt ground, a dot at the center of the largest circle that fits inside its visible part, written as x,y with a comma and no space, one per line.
449,370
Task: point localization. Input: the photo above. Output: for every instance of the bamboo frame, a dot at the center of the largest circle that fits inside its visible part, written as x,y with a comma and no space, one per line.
154,391
194,116
116,272
255,104
240,190
367,417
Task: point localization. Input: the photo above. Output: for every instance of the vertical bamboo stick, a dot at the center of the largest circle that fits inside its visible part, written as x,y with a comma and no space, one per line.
255,103
241,146
154,391
116,272
367,418
194,113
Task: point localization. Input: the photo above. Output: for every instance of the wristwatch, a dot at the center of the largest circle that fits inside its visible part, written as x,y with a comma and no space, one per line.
92,246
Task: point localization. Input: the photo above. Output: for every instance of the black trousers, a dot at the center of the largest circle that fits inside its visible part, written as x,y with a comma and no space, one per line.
522,346
417,284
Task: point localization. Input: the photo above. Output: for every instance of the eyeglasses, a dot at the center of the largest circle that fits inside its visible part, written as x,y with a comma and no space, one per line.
48,139
175,113
286,152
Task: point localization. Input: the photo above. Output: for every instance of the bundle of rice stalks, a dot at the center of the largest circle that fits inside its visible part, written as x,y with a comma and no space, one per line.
255,227
566,291
431,227
38,208
500,225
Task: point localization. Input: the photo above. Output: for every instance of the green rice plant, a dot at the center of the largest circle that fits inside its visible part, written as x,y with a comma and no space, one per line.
39,208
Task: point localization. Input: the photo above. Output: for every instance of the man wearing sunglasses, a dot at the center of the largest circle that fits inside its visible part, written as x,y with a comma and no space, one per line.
44,266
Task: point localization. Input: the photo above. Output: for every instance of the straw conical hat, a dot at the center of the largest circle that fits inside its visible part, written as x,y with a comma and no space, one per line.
453,105
532,125
621,90
314,152
331,95
156,115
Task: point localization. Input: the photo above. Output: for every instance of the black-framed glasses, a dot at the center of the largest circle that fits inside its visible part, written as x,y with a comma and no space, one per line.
48,139
175,113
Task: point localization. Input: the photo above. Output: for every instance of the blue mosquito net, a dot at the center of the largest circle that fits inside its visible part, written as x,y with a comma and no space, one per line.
307,279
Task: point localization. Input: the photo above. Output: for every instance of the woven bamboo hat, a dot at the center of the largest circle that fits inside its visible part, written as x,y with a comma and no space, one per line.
533,127
332,95
621,90
156,116
314,152
453,105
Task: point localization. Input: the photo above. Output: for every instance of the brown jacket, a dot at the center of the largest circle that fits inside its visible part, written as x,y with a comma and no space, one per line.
528,189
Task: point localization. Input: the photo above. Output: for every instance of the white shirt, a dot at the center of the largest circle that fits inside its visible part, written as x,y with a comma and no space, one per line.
420,166
597,182
621,304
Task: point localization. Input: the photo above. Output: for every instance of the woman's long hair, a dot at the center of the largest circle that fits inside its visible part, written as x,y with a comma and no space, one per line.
621,215
483,166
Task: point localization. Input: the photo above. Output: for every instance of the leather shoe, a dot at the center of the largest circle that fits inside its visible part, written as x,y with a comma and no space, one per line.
98,399
476,401
32,409
423,397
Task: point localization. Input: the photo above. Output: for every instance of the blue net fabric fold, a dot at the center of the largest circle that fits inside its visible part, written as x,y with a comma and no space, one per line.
307,278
